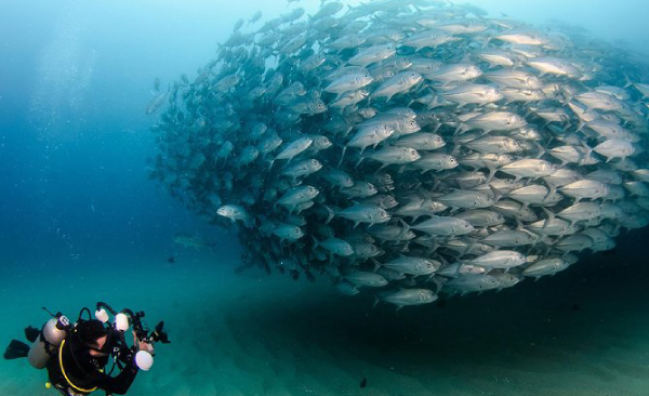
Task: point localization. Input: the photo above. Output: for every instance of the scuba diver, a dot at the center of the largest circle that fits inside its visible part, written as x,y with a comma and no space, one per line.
76,355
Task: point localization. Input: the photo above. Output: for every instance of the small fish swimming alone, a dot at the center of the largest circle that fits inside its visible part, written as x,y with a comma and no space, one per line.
157,102
192,241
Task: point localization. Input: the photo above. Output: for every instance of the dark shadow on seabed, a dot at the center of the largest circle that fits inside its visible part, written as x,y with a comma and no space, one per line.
582,332
587,323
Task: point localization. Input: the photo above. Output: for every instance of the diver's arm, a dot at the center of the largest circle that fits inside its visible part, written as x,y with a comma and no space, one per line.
120,384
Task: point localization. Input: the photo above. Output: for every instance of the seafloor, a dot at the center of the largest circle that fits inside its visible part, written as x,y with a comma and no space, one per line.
583,332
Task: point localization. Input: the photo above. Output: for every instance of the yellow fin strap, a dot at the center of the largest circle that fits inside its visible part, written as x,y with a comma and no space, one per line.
76,388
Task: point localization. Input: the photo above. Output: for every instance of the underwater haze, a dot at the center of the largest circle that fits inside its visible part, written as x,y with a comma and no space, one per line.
81,221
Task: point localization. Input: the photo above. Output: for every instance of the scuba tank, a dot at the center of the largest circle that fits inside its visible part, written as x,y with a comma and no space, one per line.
52,334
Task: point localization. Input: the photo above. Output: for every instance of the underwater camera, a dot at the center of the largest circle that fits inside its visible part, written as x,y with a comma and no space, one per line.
55,331
127,318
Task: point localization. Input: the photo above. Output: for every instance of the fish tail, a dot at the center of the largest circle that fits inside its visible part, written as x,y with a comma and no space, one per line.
342,155
471,246
377,300
359,161
330,214
376,263
541,150
406,228
628,81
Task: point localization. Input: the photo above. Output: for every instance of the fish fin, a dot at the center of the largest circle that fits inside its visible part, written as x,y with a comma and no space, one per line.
617,228
377,300
377,265
486,42
497,193
423,193
472,243
519,225
551,191
330,213
628,81
359,161
342,155
406,228
492,173
589,150
541,150
549,219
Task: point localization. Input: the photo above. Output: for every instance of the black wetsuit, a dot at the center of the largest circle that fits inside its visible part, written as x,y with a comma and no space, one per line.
85,373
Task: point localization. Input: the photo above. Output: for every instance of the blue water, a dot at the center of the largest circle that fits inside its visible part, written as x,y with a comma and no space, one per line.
81,222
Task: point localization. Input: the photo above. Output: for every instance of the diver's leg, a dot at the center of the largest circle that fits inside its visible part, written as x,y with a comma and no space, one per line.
16,349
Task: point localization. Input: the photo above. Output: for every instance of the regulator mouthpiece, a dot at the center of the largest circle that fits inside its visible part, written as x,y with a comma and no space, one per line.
143,360
121,322
101,315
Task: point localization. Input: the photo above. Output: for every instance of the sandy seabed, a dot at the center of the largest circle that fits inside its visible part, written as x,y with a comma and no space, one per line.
249,334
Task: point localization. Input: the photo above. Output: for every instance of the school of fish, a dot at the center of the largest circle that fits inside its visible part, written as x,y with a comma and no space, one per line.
410,148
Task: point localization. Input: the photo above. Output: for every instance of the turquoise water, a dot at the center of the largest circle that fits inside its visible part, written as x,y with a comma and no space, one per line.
253,335
80,223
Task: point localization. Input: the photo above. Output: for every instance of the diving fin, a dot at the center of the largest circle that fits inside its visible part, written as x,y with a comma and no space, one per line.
32,334
16,349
